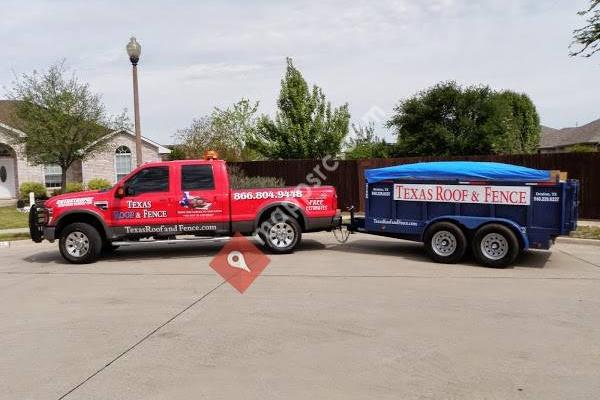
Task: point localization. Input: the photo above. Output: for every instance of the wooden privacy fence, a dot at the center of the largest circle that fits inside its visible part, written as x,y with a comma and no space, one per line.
348,177
310,172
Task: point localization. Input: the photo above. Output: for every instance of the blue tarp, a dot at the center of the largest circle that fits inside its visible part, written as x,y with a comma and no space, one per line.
453,170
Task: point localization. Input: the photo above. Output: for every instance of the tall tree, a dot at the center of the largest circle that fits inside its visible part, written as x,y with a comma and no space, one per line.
305,126
64,121
238,122
516,123
588,37
448,119
365,144
224,130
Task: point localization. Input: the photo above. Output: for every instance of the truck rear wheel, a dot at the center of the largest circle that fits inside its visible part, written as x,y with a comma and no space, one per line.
445,242
80,243
282,236
495,245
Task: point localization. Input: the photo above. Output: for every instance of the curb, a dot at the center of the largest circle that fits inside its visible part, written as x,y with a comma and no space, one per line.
7,244
572,240
13,230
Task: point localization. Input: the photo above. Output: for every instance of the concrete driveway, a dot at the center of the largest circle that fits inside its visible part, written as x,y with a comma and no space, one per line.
371,319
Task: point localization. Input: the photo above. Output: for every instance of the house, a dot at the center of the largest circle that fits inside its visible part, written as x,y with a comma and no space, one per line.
560,140
112,164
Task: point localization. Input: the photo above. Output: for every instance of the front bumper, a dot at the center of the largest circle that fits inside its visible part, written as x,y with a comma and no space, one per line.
39,217
49,233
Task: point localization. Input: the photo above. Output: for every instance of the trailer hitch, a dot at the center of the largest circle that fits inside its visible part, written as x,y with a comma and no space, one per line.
341,232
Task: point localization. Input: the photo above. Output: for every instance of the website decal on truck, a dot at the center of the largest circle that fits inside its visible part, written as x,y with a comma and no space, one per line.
474,194
170,229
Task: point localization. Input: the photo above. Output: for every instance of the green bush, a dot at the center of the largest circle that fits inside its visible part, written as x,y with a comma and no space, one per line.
98,184
73,187
37,188
239,180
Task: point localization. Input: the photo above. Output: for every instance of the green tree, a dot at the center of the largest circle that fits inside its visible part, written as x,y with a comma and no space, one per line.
514,123
305,126
588,37
366,144
178,152
239,123
224,130
61,117
448,119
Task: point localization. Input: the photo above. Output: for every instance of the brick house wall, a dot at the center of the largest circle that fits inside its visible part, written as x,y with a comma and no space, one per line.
102,165
27,172
24,172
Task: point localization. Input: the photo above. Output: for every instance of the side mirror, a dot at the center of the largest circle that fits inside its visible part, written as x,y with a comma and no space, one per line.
120,193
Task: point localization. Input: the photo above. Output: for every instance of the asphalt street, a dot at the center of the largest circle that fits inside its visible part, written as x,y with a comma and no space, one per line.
369,319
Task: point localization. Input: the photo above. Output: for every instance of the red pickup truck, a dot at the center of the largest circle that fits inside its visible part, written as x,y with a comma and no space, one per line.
162,200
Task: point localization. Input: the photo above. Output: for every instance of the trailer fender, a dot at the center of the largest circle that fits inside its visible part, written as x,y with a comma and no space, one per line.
474,223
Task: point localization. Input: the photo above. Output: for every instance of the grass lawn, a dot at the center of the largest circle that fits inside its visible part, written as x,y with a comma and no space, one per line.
11,218
587,232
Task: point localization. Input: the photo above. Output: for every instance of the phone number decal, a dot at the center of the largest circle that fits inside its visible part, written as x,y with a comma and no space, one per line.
279,194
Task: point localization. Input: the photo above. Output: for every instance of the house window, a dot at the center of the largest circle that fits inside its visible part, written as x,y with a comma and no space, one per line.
5,151
52,175
122,162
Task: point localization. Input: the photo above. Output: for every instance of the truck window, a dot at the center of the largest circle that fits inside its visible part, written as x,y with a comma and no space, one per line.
152,179
197,177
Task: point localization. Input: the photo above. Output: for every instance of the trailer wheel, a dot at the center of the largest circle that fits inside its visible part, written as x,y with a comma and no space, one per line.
282,236
80,243
495,245
445,242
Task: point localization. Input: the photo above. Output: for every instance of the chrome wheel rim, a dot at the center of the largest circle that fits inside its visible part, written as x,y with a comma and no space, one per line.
494,246
443,243
77,244
281,234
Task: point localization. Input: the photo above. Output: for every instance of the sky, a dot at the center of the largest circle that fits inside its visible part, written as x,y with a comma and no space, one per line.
197,55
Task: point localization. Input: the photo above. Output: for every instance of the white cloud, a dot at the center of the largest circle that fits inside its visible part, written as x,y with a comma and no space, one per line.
197,55
215,70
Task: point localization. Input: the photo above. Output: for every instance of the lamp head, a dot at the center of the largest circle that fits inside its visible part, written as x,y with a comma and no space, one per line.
134,49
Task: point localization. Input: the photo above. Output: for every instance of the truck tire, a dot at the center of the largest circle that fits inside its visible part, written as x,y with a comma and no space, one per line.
495,246
80,243
445,242
282,236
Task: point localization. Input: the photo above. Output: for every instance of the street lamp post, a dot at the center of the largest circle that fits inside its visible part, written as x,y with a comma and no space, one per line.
134,49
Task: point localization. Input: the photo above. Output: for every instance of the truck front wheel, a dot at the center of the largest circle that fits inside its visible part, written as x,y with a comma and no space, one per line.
80,243
282,236
495,246
445,242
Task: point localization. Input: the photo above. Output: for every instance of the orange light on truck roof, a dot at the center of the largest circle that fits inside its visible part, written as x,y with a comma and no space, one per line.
211,155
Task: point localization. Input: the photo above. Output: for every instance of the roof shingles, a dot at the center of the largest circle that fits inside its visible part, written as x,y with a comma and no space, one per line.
588,133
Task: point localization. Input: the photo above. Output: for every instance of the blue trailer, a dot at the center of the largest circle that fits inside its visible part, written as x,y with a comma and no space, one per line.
498,210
